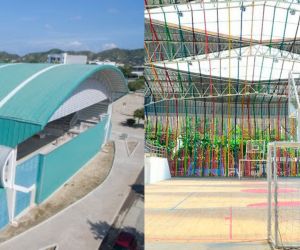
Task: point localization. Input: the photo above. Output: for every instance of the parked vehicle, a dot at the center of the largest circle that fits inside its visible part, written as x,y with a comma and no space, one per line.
125,241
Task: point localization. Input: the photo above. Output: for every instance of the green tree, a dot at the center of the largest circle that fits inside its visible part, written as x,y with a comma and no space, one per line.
136,85
139,114
126,70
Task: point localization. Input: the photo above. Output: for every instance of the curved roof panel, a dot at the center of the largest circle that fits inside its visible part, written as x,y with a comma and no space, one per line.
31,93
13,74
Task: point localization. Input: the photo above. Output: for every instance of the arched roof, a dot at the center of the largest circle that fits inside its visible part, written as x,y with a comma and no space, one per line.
31,93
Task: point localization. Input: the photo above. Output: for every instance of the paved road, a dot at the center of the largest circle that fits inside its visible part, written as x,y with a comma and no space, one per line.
130,218
134,219
84,224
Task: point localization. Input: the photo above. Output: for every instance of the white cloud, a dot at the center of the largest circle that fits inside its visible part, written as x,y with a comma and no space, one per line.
64,44
107,46
28,19
113,11
75,44
76,18
48,26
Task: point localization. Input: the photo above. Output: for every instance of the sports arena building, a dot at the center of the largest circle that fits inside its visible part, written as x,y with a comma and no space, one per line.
53,120
217,75
222,100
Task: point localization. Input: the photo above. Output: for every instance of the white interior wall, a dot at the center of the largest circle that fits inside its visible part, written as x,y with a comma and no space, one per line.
156,169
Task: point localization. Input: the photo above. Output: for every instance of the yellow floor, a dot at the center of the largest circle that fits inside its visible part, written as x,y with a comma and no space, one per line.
214,210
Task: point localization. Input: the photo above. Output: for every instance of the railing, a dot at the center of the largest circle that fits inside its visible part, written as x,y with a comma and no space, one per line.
153,150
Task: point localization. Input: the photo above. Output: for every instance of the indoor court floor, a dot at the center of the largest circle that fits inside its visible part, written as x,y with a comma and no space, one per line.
214,211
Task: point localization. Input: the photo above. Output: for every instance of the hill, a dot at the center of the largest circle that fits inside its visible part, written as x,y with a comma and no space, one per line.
6,57
131,57
128,57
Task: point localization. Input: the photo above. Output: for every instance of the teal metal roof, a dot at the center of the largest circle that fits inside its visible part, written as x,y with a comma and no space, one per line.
31,93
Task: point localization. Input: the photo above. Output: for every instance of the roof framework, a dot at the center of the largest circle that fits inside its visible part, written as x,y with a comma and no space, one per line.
255,63
271,18
202,27
258,71
217,75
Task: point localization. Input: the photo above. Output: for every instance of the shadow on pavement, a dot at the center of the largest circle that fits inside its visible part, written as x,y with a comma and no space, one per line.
102,231
132,126
99,229
138,189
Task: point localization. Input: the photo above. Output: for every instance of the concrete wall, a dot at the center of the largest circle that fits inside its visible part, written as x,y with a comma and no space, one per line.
49,172
156,169
3,209
26,176
61,164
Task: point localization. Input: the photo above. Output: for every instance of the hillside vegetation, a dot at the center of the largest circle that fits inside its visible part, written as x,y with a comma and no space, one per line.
128,57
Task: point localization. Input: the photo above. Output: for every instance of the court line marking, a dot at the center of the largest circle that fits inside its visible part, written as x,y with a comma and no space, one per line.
179,203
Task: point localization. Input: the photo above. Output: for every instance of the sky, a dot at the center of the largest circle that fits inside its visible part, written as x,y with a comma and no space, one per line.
96,25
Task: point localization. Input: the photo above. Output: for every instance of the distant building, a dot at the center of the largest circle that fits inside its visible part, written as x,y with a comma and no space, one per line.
67,59
120,64
105,62
138,70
